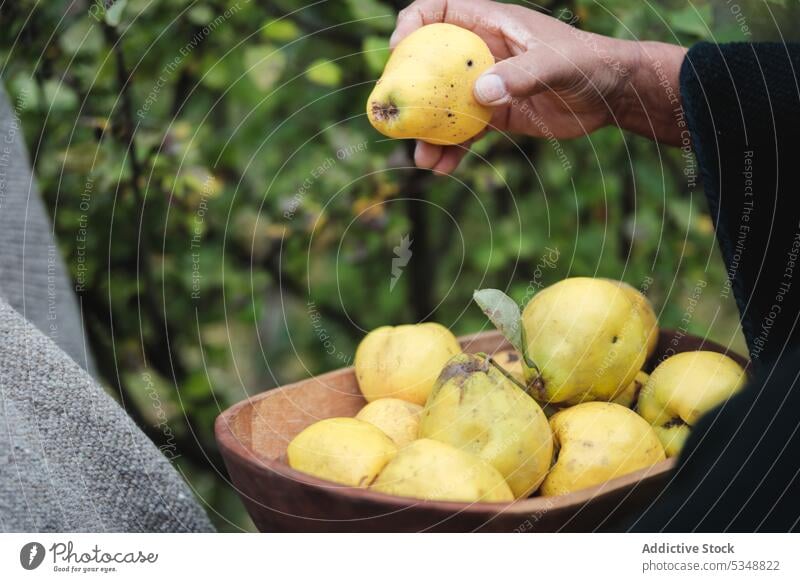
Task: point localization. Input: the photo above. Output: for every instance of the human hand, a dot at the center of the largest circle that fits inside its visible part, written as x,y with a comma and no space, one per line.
551,79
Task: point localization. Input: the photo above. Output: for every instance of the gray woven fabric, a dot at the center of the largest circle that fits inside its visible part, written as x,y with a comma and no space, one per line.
70,458
32,275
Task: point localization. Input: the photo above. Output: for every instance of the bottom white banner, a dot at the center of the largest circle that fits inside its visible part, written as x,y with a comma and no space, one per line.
401,557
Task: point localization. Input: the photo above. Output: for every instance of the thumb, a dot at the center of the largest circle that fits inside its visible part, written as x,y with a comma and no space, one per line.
514,77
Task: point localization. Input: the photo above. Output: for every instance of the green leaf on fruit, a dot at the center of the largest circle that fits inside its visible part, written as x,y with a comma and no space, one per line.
503,312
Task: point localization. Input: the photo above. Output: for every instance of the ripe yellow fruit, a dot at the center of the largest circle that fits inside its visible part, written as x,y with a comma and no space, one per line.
476,408
404,361
683,388
345,450
428,469
598,441
397,418
629,396
585,337
425,91
647,313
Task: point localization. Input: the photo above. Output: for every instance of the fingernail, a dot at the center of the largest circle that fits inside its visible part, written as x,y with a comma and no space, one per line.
417,152
419,155
393,39
490,89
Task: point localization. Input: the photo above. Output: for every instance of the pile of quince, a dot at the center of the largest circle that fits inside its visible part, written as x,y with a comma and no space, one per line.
568,407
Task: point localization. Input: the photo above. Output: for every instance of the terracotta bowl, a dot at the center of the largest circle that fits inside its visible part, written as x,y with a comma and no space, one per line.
253,436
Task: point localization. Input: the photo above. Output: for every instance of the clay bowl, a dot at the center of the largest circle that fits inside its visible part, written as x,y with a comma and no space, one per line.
253,436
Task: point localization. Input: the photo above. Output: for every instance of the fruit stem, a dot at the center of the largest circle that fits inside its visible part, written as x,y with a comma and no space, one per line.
536,388
537,385
506,373
487,358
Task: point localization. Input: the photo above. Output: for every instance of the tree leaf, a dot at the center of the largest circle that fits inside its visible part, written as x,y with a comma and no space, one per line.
324,72
503,312
264,65
373,14
25,91
694,19
376,53
113,14
81,37
282,30
59,96
201,14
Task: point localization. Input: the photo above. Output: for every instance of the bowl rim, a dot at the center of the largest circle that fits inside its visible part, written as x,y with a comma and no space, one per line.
231,446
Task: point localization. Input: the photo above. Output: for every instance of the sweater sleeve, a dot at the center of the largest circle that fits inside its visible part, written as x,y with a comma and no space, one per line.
742,103
740,468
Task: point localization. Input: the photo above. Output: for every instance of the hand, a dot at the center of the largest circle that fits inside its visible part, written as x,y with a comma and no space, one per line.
552,79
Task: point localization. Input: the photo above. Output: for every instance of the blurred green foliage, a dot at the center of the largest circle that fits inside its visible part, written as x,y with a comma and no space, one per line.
231,219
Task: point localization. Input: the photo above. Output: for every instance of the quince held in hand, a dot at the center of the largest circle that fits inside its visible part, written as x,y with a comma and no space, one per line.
425,91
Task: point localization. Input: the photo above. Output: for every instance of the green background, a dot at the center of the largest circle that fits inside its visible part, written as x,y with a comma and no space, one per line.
214,182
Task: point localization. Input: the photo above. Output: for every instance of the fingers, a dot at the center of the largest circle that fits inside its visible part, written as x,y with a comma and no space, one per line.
416,15
521,76
469,14
451,157
427,155
441,159
490,89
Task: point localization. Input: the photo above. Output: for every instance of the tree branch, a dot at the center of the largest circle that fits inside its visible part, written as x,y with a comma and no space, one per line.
157,317
420,267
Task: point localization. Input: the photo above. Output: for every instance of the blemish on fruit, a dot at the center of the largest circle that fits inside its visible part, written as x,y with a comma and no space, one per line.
462,369
384,111
538,388
469,63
